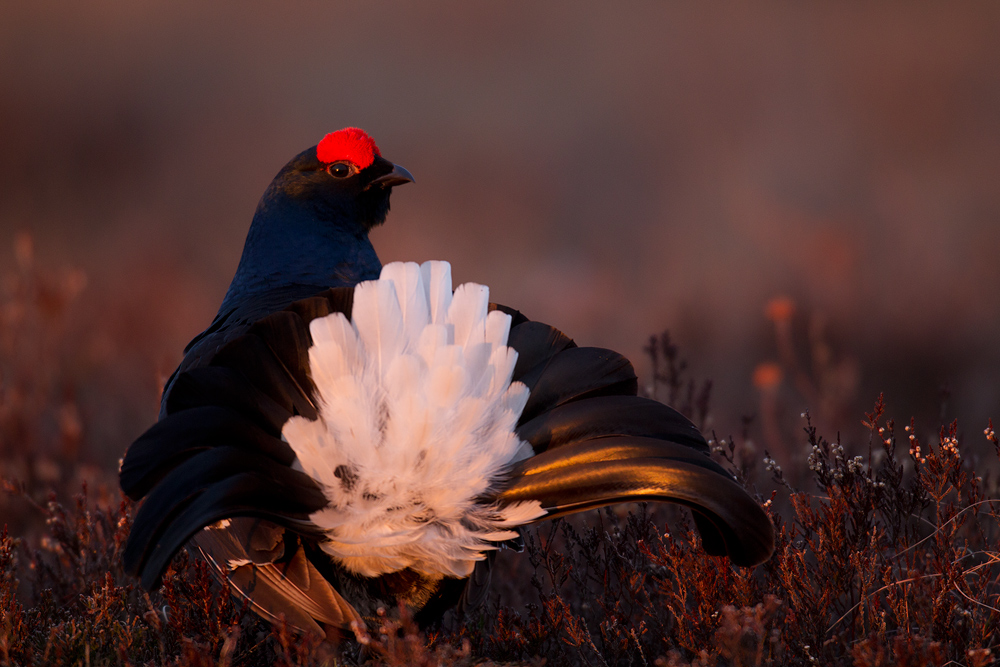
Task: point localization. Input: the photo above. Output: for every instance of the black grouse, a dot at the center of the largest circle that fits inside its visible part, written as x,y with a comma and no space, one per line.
346,436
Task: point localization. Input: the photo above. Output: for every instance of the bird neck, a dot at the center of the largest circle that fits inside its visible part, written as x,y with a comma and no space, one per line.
289,245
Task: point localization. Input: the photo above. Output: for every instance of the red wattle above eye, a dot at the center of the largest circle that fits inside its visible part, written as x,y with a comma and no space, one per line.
350,145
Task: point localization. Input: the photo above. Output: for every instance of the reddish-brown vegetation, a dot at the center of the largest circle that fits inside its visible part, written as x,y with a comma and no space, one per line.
888,552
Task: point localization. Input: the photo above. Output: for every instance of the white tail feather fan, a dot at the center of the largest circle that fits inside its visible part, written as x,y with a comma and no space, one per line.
416,421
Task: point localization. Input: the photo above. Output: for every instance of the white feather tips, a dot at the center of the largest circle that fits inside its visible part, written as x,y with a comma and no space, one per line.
417,418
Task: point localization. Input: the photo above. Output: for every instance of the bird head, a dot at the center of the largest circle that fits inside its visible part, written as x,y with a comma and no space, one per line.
343,178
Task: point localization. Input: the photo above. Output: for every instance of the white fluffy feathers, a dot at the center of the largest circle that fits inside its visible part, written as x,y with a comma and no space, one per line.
417,417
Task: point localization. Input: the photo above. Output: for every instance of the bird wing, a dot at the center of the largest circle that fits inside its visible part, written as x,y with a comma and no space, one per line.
214,471
218,455
252,555
597,443
233,322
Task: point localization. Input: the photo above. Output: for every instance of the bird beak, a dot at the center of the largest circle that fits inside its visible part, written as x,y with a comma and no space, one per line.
397,176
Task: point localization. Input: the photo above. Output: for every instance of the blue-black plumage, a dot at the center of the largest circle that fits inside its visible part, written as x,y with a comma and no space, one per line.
346,436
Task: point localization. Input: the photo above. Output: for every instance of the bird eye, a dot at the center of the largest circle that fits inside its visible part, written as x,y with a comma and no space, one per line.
340,169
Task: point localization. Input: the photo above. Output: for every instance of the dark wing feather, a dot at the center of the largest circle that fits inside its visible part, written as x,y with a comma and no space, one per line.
170,442
254,358
193,477
233,323
224,387
613,448
286,334
577,477
598,444
623,448
535,344
610,415
273,496
573,374
289,586
217,454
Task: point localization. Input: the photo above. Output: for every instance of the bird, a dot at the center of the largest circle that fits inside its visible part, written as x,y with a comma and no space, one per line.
346,437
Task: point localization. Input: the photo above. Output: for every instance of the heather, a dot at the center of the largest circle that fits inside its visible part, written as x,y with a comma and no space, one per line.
888,538
805,194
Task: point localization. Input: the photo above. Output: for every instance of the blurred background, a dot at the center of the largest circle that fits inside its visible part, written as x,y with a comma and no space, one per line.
807,197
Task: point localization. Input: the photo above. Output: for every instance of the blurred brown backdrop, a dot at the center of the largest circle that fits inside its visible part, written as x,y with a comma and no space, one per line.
611,170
